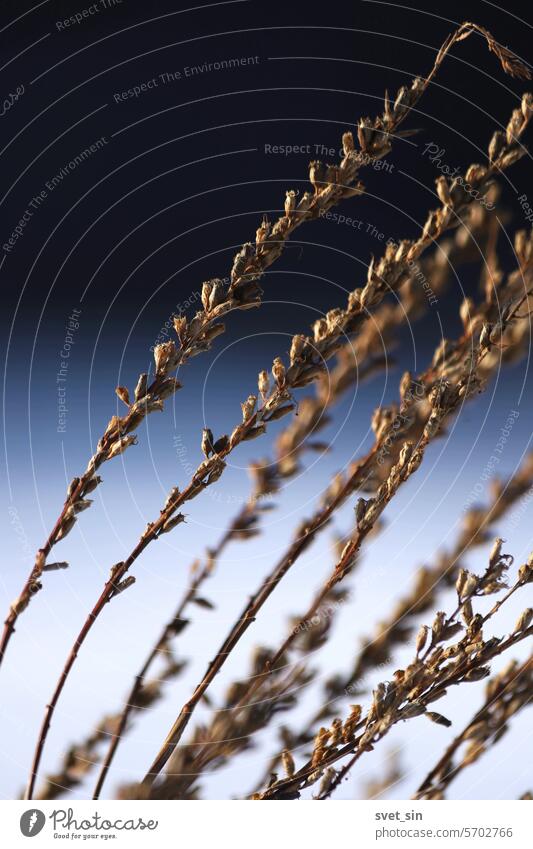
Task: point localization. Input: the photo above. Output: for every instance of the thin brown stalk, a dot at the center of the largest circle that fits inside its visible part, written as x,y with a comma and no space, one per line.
307,360
424,681
506,694
443,399
331,185
377,649
358,359
243,522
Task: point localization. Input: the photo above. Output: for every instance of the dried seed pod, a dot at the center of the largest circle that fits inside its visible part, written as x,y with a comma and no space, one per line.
123,394
524,620
470,585
248,407
336,732
460,582
180,326
421,638
351,722
477,674
213,331
278,372
262,231
280,412
142,386
497,145
170,524
241,261
221,444
412,710
206,294
288,763
73,485
123,585
66,525
207,442
218,293
263,384
496,552
120,445
466,311
172,497
297,346
443,191
360,510
438,626
317,175
254,432
438,718
484,336
54,567
467,612
320,330
327,780
169,387
348,144
290,203
164,355
81,504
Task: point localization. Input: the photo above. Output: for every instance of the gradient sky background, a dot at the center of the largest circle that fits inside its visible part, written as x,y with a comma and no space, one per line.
183,177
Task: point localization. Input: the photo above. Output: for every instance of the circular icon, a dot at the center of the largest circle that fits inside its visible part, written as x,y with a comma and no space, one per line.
32,822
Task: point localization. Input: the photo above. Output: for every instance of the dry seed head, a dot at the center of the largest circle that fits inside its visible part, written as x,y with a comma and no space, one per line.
524,620
207,442
263,384
351,722
336,731
163,355
278,372
320,330
170,524
328,779
123,394
120,445
248,407
467,612
477,674
497,145
466,312
348,145
262,232
206,294
321,741
217,294
443,191
525,572
142,386
54,567
438,625
438,718
360,510
405,384
123,585
470,585
290,202
475,173
180,326
288,763
460,582
496,551
421,638
297,346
